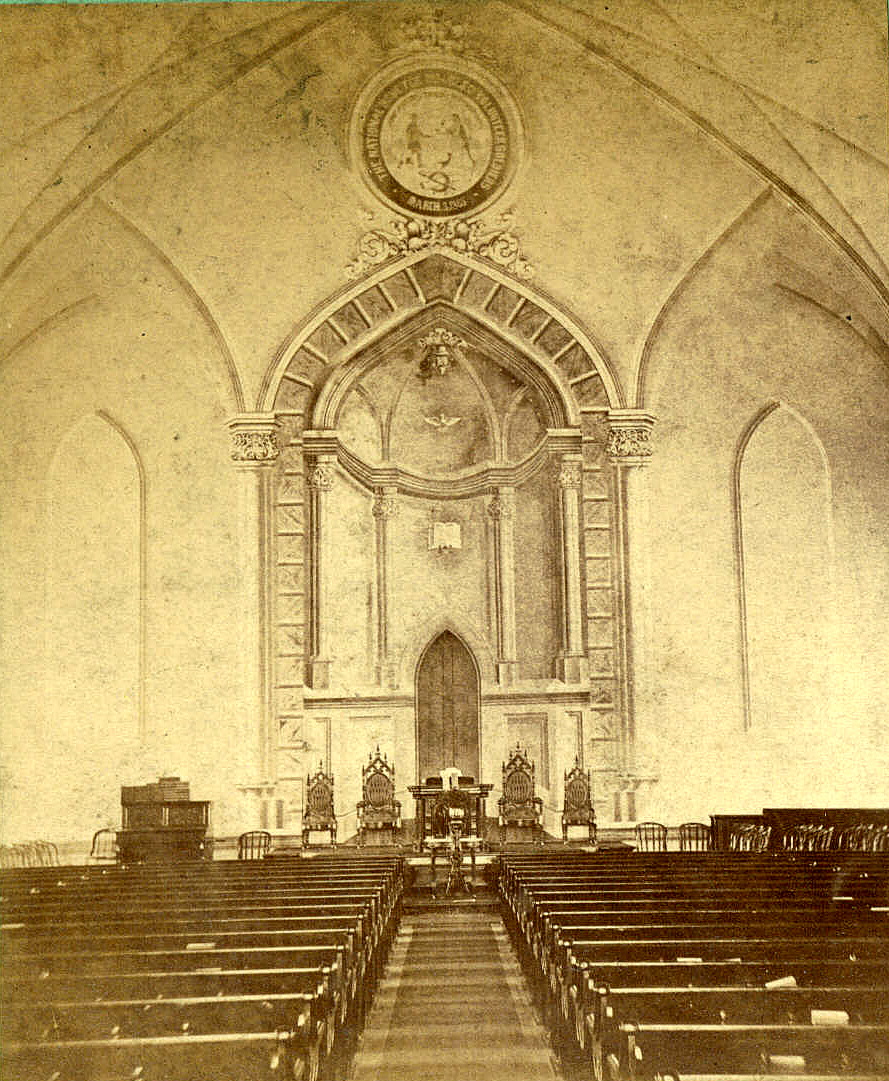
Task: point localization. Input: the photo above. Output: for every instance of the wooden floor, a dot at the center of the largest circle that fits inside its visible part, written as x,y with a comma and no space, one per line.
453,1005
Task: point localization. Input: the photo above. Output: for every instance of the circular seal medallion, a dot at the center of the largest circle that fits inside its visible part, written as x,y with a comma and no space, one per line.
435,141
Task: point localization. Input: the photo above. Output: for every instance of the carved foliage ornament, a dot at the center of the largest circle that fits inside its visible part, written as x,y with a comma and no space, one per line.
254,447
492,240
629,443
321,477
569,475
500,507
385,507
431,31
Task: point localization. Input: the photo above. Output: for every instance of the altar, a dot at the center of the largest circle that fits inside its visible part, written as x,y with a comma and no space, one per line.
430,794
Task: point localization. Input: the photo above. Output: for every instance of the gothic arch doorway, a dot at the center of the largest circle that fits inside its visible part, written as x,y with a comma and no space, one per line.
447,708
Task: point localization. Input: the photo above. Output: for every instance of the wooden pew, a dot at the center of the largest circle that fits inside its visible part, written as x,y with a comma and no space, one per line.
648,1051
172,969
587,927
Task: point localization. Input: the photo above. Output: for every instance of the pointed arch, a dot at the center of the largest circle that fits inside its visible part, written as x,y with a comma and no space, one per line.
526,319
679,288
448,699
419,636
94,612
755,562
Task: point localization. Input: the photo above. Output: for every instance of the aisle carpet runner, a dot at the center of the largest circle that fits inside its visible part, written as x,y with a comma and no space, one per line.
453,1006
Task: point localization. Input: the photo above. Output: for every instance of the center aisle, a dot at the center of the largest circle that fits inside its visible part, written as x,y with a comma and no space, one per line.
453,1006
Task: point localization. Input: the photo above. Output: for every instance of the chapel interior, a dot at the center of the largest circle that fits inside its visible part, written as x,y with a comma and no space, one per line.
445,471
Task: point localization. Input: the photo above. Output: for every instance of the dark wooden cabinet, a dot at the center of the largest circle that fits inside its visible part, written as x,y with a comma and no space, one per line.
160,822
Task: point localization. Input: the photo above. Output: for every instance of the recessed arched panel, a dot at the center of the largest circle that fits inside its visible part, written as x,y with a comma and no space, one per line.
94,617
783,504
447,708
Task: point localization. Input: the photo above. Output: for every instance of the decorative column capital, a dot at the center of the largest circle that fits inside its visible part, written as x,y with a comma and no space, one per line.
385,504
629,440
254,438
502,505
321,475
570,472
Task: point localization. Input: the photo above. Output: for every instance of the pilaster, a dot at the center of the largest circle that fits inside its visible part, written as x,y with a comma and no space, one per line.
254,451
501,512
629,451
385,509
572,665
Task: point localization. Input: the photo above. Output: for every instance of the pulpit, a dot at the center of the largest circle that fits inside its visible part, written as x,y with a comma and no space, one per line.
430,801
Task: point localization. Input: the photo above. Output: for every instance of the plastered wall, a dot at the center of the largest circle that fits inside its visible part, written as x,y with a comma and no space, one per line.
704,203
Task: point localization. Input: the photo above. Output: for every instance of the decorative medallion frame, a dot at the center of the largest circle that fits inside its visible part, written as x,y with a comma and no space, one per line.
435,136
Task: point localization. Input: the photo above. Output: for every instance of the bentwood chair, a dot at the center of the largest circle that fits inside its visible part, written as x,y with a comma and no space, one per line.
651,837
254,845
694,837
104,846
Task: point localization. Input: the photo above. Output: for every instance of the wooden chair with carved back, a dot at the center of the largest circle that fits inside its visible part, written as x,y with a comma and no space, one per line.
694,837
378,809
519,805
254,845
319,813
578,806
651,837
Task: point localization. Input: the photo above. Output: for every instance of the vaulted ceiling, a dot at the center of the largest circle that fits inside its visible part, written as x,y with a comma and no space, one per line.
205,146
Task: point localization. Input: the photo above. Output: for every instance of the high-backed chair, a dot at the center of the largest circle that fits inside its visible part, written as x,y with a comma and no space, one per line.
378,809
254,845
519,806
651,837
104,846
577,809
694,837
807,838
318,813
750,838
853,838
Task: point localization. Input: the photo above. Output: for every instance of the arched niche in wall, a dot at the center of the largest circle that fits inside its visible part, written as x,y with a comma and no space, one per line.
372,430
94,615
784,538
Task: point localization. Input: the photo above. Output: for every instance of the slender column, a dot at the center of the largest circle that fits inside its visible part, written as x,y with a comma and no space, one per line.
385,508
501,511
572,664
321,473
254,450
629,449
